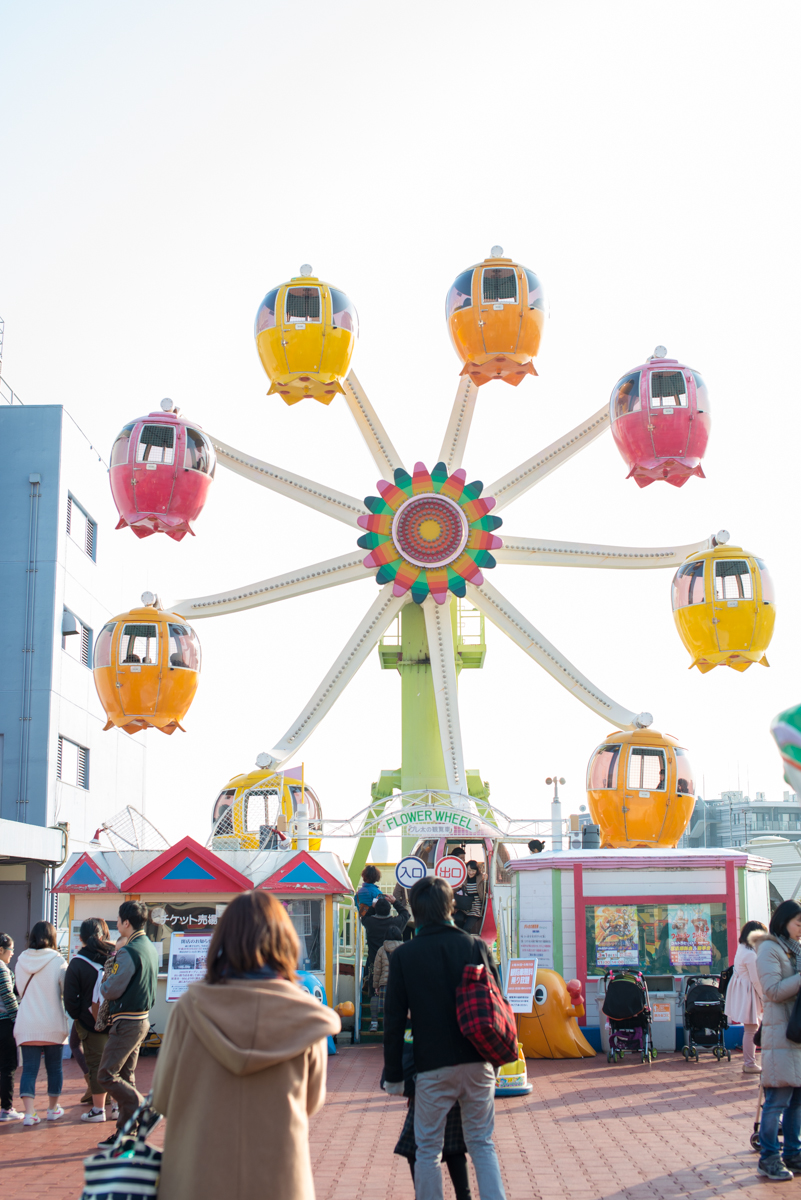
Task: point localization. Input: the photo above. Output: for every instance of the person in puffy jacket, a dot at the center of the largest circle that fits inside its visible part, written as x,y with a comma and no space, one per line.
81,985
41,1024
744,995
243,1065
779,970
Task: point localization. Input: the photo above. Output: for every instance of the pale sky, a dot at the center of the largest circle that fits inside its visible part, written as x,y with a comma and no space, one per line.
165,164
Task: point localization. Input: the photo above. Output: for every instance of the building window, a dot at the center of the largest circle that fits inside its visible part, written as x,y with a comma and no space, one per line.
73,763
76,638
81,528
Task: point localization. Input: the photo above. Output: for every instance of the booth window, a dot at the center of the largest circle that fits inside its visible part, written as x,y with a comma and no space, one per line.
265,317
732,580
303,304
646,769
139,644
688,584
184,648
602,771
684,938
685,776
343,312
306,917
668,390
536,294
460,294
626,396
73,763
499,285
103,645
119,451
81,528
198,455
156,445
768,594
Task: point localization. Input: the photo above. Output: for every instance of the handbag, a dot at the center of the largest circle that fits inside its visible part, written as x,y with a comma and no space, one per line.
793,1033
485,1017
128,1170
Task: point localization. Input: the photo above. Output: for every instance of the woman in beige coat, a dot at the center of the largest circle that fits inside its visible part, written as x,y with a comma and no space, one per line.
744,994
779,970
243,1066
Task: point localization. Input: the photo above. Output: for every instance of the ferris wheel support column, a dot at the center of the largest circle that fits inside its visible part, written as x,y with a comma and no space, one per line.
422,763
439,619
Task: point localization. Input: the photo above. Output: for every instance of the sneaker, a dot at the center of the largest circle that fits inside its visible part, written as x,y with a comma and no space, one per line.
10,1114
374,1026
55,1114
115,1111
109,1141
31,1119
752,1070
774,1170
793,1164
94,1114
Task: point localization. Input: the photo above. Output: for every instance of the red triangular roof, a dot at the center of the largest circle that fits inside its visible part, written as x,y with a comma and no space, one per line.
327,886
104,884
152,877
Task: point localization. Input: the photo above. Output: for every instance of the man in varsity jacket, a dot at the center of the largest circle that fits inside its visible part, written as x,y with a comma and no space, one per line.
131,992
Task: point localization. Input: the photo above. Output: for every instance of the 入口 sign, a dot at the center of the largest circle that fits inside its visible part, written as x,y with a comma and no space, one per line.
409,870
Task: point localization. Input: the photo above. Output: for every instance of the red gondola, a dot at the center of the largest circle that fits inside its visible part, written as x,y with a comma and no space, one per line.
161,471
660,420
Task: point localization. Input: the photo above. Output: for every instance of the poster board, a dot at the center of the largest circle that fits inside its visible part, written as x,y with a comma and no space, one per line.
690,935
536,941
521,983
616,936
187,963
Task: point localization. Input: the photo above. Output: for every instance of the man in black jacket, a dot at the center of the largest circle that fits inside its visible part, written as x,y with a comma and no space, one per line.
423,977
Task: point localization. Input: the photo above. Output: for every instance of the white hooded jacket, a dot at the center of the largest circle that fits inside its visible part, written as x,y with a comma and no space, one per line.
40,983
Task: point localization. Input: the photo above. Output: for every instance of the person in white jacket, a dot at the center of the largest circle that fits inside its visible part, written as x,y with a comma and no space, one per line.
41,1024
744,995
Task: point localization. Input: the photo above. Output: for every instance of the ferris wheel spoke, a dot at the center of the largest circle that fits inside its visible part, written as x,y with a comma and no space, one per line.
315,495
331,573
507,618
439,632
385,456
458,431
375,623
514,485
540,552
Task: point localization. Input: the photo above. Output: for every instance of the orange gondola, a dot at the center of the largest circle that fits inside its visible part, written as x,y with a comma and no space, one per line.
640,790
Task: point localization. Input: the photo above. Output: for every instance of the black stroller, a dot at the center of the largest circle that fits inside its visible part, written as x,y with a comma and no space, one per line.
628,1011
704,1018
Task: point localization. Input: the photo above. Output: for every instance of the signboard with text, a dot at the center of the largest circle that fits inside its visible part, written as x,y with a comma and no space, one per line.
536,941
452,870
187,962
409,870
521,984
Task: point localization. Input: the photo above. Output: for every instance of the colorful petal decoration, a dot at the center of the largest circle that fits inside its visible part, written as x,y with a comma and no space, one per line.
429,534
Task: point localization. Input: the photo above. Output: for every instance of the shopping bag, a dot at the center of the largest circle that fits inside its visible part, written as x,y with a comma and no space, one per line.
485,1017
128,1170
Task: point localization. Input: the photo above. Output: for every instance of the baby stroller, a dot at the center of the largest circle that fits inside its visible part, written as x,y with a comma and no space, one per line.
628,1013
704,1018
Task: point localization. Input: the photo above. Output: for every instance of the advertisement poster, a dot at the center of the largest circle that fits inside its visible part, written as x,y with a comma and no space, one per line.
187,962
520,988
616,942
690,935
536,941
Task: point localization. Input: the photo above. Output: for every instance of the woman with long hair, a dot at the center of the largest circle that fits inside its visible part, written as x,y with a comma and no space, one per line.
744,994
243,1065
82,1001
779,971
9,1059
41,1025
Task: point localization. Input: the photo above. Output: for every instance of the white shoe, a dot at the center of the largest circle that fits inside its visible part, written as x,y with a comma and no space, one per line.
54,1114
10,1114
94,1115
752,1070
374,1026
31,1119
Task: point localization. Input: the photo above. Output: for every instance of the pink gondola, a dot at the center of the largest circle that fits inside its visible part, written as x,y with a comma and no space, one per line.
660,420
161,471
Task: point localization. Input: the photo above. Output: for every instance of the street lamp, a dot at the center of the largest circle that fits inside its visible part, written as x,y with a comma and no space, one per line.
556,812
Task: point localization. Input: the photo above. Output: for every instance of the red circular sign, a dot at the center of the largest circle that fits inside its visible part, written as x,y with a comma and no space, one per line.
452,870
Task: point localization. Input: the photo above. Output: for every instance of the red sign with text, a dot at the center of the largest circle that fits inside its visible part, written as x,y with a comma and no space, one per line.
452,870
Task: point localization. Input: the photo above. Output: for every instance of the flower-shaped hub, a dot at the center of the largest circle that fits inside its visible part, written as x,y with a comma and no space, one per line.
429,533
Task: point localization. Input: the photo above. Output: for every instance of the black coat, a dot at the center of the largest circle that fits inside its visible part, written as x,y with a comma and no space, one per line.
376,927
79,984
423,977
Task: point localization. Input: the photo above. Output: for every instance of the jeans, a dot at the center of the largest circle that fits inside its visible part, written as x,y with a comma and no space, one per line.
473,1085
781,1104
31,1061
8,1063
118,1064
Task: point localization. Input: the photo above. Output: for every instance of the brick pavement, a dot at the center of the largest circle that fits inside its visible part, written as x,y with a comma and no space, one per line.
588,1130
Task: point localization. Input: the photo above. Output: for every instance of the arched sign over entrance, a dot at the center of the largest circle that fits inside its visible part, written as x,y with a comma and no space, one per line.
435,820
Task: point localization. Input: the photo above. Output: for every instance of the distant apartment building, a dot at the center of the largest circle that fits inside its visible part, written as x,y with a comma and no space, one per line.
60,774
735,819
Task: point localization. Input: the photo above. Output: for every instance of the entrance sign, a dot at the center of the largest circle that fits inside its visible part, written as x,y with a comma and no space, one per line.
187,962
536,941
409,870
452,870
520,987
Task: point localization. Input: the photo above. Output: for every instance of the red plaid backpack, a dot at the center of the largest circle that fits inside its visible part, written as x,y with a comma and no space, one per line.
485,1017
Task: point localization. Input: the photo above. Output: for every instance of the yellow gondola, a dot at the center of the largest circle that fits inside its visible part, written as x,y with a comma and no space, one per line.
254,811
305,334
724,607
146,668
640,790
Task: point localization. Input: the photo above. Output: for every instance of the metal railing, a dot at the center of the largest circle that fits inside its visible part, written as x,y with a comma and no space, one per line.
7,393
